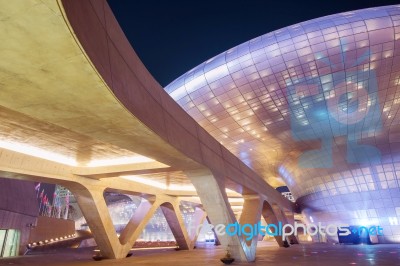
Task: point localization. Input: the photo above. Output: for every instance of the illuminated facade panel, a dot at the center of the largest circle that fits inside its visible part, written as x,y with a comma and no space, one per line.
313,106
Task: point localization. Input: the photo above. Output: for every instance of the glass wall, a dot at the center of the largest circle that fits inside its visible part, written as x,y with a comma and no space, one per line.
3,234
9,242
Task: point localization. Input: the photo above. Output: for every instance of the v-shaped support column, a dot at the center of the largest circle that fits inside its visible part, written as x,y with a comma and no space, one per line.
251,214
217,242
282,217
174,219
290,219
95,211
137,223
270,217
215,201
199,217
273,215
170,208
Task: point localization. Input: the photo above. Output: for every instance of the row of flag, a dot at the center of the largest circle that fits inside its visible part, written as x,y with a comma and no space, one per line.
59,206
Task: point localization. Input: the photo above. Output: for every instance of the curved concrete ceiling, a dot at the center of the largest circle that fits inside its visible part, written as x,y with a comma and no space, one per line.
74,90
61,100
52,101
271,99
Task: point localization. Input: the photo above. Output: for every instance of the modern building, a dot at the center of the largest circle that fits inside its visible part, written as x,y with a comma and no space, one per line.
299,125
278,102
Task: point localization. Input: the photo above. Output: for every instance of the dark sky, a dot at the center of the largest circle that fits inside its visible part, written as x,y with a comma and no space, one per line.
171,37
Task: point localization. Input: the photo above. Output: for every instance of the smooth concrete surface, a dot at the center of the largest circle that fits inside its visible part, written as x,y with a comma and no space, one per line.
215,201
84,95
162,130
219,211
303,254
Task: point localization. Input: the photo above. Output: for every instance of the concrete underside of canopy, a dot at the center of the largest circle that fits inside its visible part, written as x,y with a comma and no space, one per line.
73,89
45,76
72,85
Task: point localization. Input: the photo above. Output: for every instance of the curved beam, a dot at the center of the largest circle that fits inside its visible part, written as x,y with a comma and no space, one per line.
161,119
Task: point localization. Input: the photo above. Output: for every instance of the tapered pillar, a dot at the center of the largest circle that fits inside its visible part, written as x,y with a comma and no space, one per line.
280,214
198,219
95,211
217,242
251,214
270,218
290,219
174,219
211,191
137,223
273,215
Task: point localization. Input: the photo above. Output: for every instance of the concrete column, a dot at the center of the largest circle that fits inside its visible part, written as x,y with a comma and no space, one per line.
95,211
198,219
281,217
280,214
251,214
217,242
212,194
290,219
270,218
137,223
174,219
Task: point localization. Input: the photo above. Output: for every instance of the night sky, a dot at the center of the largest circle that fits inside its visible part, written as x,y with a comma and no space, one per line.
172,37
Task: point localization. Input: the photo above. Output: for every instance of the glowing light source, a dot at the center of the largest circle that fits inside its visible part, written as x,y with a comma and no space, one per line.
217,73
159,184
120,161
178,93
196,83
181,187
145,181
37,152
236,200
67,160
